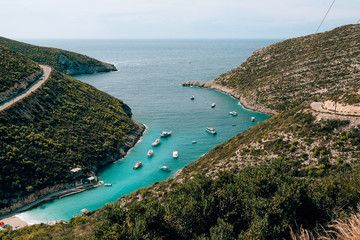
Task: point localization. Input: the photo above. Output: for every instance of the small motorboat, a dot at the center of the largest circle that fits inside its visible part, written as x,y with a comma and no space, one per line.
137,165
165,133
211,130
253,119
213,105
175,154
233,113
194,142
108,184
156,142
165,169
192,97
150,153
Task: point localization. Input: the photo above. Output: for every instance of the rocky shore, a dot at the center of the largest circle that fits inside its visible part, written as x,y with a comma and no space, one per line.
245,102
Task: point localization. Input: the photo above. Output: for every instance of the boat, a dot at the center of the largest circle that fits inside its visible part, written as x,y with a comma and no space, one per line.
192,97
150,153
194,142
253,119
213,105
211,130
108,184
137,165
233,113
156,142
165,169
175,154
165,133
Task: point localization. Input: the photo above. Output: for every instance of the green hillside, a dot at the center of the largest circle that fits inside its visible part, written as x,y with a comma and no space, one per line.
64,61
16,72
310,68
65,124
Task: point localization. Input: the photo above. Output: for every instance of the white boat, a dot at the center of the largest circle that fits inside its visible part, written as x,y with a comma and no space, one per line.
233,113
213,105
150,153
175,154
192,97
211,130
137,165
194,142
108,184
165,169
156,142
165,133
253,119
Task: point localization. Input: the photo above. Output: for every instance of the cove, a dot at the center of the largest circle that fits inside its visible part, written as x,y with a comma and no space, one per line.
149,81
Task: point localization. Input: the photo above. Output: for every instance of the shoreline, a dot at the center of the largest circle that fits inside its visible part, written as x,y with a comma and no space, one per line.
17,222
231,92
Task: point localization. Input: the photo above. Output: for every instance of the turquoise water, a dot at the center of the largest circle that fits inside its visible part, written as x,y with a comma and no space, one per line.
149,81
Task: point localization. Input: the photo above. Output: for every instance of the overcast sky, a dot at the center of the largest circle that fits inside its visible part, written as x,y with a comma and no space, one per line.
124,19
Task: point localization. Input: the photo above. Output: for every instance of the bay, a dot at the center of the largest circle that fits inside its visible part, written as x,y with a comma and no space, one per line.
149,81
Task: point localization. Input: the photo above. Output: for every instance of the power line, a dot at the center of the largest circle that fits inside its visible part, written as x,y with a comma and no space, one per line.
325,16
358,21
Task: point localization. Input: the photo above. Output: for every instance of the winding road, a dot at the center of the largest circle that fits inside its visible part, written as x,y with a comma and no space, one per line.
47,71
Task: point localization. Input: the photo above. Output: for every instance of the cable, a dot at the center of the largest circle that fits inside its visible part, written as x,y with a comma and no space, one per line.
325,16
358,21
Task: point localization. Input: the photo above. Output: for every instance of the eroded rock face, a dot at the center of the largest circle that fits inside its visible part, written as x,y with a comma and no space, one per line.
72,67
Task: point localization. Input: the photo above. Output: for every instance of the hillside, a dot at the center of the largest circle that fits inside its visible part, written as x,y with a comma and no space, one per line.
67,62
298,168
16,73
312,68
65,124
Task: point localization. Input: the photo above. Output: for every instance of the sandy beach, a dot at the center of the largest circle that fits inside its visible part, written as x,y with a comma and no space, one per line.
15,222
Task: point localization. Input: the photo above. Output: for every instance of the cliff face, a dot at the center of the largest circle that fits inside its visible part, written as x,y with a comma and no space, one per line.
311,68
63,61
71,66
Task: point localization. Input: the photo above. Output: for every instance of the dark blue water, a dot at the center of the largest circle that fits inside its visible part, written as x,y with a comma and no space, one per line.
149,81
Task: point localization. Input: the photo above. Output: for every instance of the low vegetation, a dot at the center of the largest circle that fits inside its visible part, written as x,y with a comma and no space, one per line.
317,67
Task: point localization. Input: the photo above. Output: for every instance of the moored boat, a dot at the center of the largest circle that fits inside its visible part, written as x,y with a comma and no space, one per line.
175,154
192,97
194,142
137,165
213,105
165,133
108,184
150,153
165,169
253,119
210,130
233,113
156,142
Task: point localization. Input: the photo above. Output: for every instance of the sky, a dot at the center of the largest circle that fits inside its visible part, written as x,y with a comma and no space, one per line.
171,19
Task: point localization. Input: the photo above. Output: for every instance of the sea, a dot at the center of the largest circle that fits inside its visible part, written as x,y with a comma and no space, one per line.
149,77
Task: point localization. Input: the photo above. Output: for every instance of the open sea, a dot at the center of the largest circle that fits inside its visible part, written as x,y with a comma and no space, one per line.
149,77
